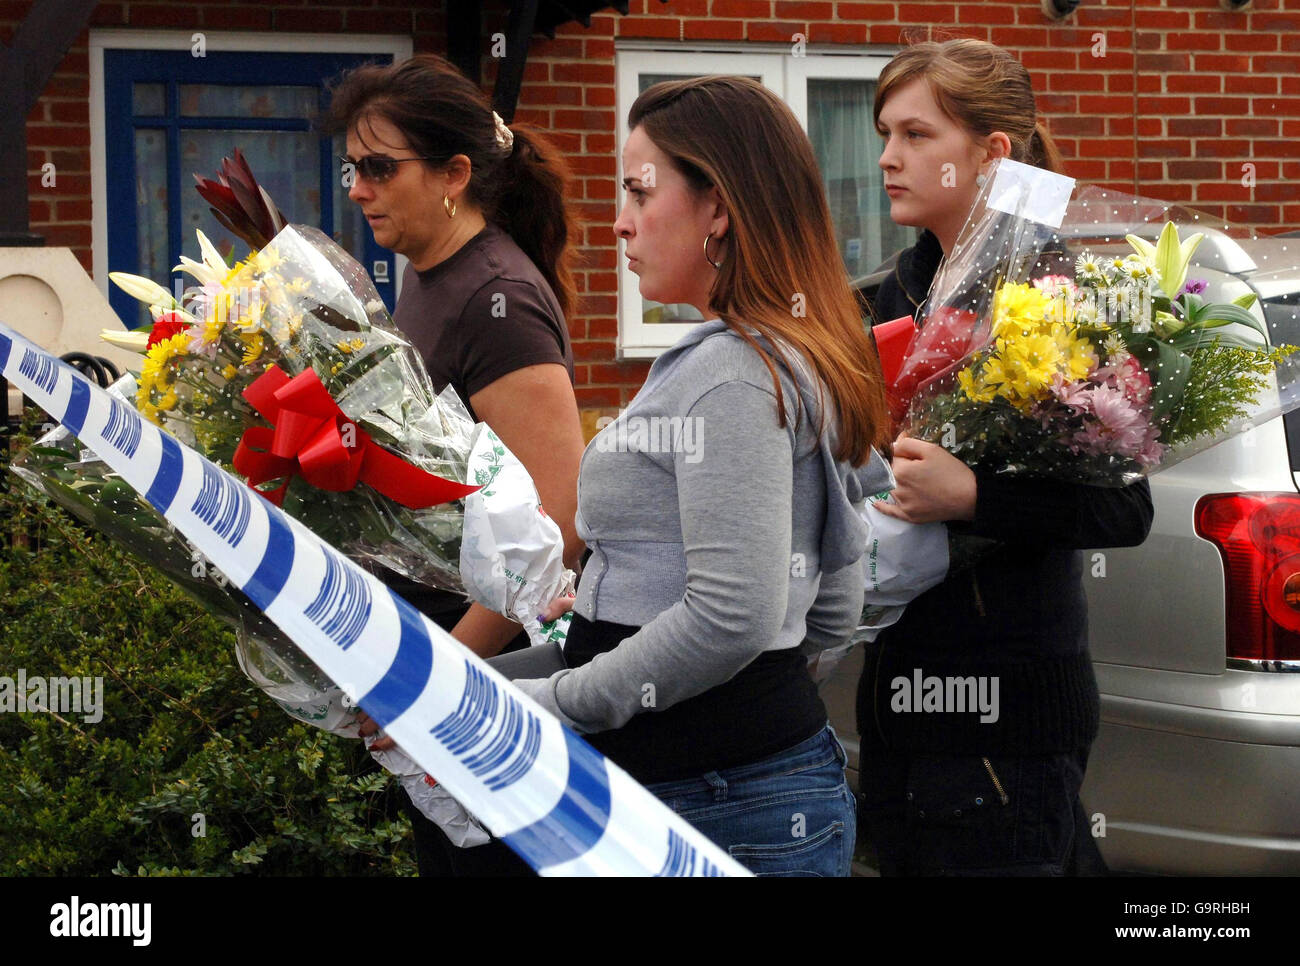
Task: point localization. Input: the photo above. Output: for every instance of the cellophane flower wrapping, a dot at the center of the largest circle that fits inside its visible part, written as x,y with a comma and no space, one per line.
1065,335
304,305
79,481
1069,335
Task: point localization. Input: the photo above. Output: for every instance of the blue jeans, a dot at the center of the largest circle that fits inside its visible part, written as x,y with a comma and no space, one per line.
790,814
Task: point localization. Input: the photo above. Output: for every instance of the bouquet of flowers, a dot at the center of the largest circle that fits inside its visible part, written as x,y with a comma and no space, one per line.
1064,338
287,370
1098,367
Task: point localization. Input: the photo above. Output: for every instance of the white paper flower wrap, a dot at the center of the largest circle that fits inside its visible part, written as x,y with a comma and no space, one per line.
511,552
903,561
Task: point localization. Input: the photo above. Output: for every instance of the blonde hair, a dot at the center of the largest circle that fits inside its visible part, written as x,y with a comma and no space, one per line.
736,135
979,86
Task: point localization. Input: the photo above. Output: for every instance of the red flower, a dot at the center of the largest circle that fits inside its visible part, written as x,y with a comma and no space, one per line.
947,337
168,325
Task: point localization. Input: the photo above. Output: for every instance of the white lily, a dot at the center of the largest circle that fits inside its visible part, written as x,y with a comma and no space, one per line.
135,341
145,290
1170,255
212,270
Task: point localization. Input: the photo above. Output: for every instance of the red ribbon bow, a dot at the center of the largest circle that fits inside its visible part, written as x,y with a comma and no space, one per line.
312,438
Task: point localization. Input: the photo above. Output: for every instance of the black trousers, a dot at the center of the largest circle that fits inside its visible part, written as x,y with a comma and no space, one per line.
435,854
966,815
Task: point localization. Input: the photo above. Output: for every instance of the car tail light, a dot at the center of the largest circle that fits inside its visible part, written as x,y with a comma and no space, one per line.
1258,536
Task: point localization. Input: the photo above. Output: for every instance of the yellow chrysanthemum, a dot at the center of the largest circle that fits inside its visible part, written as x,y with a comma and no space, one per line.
153,371
975,388
211,331
1078,355
1018,306
253,346
996,376
265,260
1029,365
168,349
168,401
229,372
1038,354
235,271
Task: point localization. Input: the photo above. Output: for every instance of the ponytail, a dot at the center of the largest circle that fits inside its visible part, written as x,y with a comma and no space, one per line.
1043,152
442,114
530,207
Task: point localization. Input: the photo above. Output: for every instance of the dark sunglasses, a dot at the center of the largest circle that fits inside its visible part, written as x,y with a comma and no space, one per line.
376,168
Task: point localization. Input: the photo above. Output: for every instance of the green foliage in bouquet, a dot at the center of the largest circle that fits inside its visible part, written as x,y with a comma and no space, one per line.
183,733
1225,380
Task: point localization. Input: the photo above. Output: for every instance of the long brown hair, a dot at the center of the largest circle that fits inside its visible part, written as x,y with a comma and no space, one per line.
781,274
442,114
979,86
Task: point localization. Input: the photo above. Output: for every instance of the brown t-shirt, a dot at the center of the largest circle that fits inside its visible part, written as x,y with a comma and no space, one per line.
481,314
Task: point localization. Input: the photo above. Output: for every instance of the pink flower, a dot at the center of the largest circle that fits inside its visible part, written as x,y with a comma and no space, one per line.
1152,450
1128,377
1055,285
1070,393
1113,425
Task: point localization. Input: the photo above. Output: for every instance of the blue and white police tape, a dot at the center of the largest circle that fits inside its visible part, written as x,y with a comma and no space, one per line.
549,795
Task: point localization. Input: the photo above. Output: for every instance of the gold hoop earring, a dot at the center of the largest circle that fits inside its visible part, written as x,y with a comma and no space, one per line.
449,206
718,264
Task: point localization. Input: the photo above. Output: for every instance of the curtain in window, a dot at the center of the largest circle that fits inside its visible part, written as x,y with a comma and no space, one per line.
847,147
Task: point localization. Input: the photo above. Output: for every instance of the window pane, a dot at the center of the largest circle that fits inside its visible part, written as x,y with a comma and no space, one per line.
151,211
286,163
148,100
223,100
847,147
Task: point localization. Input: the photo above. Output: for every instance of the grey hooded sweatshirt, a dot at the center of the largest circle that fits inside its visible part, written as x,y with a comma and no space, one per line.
718,532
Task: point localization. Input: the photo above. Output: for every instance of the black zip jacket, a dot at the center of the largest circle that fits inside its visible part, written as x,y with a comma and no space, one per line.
1017,614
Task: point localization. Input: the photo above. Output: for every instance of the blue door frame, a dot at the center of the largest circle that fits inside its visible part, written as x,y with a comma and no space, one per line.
124,68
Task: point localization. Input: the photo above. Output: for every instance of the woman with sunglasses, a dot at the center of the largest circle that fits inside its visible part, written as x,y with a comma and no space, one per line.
721,546
477,207
975,793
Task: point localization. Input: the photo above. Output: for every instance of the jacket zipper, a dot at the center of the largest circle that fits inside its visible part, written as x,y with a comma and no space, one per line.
988,766
979,601
875,684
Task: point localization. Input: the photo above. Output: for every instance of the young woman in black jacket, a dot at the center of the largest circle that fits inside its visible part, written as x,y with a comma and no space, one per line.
991,789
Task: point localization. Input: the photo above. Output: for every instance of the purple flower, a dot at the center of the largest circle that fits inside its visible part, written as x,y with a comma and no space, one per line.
1194,286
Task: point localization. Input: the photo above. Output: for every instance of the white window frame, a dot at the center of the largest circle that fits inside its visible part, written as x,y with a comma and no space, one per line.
401,47
779,69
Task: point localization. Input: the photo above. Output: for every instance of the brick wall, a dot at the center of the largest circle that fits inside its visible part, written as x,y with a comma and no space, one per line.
1169,99
1177,99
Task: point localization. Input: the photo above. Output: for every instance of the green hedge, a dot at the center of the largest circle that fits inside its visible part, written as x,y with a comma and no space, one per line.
183,732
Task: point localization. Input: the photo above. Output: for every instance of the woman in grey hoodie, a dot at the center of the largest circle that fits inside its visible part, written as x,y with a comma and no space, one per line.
719,508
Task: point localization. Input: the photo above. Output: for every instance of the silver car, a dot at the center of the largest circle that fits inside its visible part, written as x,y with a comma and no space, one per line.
1195,636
